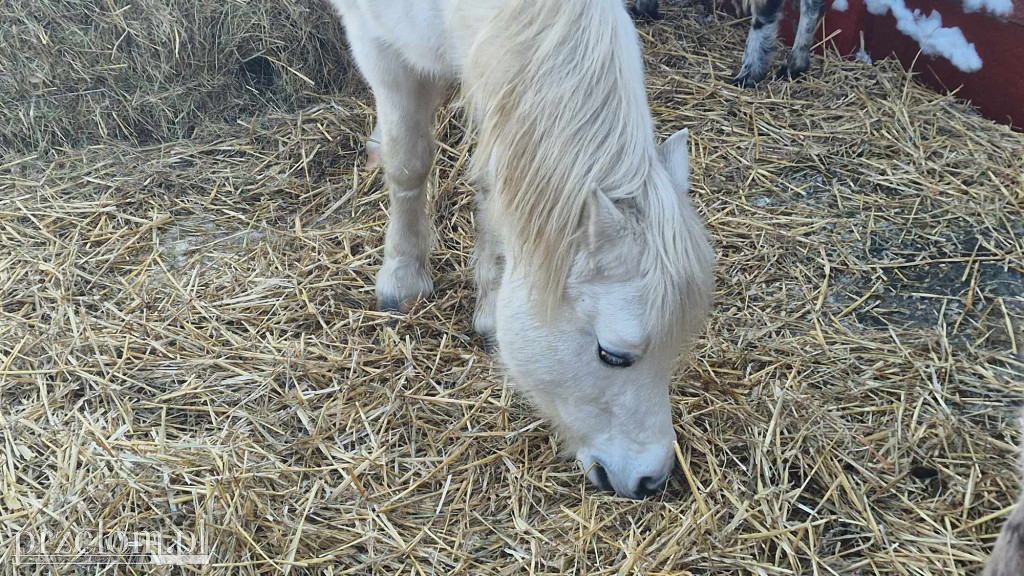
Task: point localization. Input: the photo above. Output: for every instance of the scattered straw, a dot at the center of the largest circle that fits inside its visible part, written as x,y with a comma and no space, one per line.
186,334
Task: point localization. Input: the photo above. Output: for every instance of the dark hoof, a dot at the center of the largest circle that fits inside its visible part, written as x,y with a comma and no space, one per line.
744,81
651,16
392,305
396,306
490,346
645,10
788,73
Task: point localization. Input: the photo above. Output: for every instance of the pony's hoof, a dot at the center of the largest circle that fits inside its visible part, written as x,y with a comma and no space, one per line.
388,304
396,304
491,346
484,327
484,322
399,287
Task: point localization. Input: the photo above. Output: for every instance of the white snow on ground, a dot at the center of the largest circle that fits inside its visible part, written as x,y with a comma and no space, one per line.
935,40
997,7
843,5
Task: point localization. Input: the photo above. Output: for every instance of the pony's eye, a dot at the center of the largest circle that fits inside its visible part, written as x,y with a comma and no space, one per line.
613,360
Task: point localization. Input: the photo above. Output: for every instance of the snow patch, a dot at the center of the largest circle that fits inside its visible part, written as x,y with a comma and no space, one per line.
997,7
935,40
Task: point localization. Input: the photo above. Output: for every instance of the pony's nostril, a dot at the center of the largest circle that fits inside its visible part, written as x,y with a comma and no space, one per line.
601,477
648,486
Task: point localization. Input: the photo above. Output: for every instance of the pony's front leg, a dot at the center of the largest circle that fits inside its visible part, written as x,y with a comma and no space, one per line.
488,254
760,50
406,101
407,151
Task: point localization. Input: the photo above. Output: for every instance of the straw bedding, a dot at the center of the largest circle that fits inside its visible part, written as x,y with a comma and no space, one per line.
187,333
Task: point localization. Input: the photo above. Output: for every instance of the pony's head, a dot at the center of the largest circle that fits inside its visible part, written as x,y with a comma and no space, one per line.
598,360
608,266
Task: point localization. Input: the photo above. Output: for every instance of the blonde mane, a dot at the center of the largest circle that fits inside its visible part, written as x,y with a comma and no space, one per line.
555,92
559,110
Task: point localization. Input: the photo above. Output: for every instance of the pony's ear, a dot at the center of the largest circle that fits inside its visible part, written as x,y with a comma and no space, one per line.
675,156
603,217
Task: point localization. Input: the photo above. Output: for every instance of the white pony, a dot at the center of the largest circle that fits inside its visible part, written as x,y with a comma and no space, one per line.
593,270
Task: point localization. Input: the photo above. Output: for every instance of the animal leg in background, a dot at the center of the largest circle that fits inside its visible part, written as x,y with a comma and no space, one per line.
760,50
406,101
799,59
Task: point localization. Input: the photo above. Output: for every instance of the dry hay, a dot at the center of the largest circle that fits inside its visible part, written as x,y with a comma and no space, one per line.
78,72
186,333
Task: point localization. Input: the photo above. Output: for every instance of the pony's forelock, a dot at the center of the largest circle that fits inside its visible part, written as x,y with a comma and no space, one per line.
556,98
555,94
677,262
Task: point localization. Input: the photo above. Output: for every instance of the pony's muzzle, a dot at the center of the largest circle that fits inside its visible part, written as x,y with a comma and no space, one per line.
637,475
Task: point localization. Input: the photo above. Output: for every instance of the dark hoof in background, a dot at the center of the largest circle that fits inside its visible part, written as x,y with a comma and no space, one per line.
741,82
786,73
744,81
645,10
